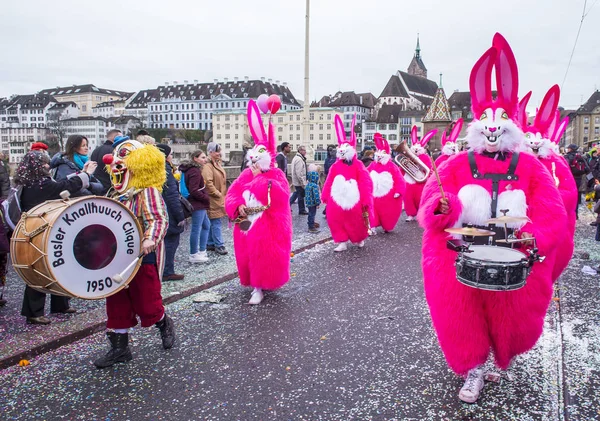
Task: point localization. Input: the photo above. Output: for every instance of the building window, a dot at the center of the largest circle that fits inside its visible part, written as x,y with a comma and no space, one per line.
236,136
393,126
597,120
328,137
227,136
291,117
370,126
585,130
312,136
586,120
279,129
228,146
328,116
312,116
393,137
297,137
219,136
320,126
321,116
382,127
312,127
291,137
321,137
298,117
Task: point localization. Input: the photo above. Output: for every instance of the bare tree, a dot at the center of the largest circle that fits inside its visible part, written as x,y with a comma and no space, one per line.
57,127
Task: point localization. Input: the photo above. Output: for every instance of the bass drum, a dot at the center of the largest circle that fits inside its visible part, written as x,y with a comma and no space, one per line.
75,247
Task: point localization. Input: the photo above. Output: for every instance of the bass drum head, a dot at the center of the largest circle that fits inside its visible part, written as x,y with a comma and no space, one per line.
93,239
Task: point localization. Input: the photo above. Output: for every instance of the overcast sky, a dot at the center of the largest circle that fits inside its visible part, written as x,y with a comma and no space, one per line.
355,45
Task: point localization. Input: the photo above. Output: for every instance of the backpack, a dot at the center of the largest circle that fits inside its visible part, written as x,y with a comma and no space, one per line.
183,188
11,207
578,165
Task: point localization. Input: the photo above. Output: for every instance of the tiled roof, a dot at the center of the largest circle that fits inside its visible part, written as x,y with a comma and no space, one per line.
62,105
140,100
235,90
591,103
389,113
35,101
80,89
394,88
460,101
419,85
439,110
75,119
122,119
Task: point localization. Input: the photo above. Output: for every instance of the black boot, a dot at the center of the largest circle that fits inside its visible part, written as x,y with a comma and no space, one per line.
119,353
167,332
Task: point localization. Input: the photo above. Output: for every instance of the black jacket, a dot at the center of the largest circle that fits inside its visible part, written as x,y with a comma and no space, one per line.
171,196
65,167
50,189
282,163
4,180
329,161
100,173
192,174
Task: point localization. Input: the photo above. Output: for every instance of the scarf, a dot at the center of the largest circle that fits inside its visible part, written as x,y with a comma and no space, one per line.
80,160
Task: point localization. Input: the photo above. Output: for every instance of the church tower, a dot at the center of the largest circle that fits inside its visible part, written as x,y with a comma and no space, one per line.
416,66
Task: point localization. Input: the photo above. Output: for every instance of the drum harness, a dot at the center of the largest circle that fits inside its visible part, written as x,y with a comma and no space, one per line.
496,178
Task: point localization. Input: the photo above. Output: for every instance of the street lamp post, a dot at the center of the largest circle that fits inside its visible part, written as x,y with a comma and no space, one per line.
306,109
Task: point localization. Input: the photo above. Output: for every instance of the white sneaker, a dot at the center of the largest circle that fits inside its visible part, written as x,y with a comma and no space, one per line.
469,393
341,247
361,244
200,257
410,218
257,296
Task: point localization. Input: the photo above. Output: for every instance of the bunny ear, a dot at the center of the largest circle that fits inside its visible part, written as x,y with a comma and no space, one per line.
352,134
428,137
560,130
547,111
444,138
507,75
385,146
456,130
480,82
272,146
413,136
339,129
522,113
255,123
377,138
553,125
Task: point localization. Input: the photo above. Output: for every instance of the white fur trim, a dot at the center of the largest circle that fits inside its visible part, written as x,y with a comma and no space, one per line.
477,205
449,148
345,192
382,183
252,202
516,203
346,152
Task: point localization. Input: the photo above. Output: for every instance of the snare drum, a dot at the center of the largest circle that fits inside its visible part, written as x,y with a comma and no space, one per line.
493,268
74,247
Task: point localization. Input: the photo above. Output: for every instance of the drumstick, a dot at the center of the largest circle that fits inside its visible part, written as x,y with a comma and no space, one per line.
118,278
437,176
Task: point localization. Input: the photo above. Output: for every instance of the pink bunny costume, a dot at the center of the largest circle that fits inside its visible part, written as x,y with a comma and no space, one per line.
263,251
541,138
449,146
348,190
388,187
470,322
414,190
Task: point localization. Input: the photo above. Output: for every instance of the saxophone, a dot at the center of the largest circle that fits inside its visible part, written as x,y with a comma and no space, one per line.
410,163
243,221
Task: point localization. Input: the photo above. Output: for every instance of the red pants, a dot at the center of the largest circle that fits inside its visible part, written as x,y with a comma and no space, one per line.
142,299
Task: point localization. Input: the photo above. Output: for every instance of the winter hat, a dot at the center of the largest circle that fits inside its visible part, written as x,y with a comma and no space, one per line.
39,146
573,146
213,147
165,149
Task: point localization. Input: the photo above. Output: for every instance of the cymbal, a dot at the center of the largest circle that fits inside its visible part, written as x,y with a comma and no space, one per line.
471,232
507,220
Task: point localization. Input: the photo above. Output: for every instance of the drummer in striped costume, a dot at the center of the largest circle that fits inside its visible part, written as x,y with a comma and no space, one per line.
137,173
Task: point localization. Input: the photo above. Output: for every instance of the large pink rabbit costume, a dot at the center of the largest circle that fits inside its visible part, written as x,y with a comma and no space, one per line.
263,251
414,189
388,187
539,139
468,321
348,192
449,145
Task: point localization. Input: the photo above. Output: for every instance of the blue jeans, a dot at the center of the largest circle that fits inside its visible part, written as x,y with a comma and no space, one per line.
312,211
200,230
215,238
171,244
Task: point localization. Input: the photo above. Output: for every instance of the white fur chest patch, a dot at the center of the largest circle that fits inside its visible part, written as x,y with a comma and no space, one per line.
382,183
345,192
477,202
252,202
409,179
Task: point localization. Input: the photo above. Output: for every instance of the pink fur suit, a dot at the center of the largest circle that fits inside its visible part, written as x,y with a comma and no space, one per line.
263,251
541,139
470,322
414,189
449,145
388,187
348,191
